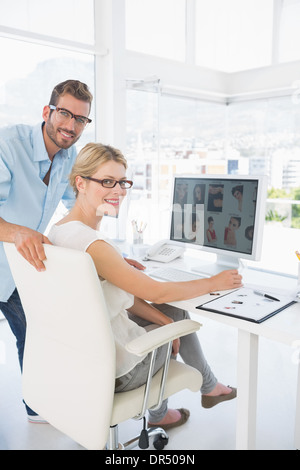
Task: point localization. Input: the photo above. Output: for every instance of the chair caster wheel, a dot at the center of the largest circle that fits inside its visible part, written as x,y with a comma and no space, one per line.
160,442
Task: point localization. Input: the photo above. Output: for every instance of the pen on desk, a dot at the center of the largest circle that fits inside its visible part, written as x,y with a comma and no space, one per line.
266,295
297,254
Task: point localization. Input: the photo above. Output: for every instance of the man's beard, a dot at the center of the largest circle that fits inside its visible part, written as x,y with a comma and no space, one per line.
52,134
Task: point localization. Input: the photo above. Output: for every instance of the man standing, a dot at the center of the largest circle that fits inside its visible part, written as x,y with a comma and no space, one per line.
34,166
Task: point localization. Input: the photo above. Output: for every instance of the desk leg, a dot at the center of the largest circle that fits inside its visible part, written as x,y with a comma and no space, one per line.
247,390
297,415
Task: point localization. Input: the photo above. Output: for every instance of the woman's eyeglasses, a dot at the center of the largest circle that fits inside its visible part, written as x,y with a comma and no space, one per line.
107,183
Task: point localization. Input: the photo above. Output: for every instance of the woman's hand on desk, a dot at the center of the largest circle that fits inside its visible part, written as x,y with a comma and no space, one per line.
135,264
230,279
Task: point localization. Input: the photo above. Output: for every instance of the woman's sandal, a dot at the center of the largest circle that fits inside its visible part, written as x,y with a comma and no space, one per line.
209,401
185,414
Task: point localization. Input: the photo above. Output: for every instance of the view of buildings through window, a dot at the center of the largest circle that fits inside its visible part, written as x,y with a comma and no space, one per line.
177,135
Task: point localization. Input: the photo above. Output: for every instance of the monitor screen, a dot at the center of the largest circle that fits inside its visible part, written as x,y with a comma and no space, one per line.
221,214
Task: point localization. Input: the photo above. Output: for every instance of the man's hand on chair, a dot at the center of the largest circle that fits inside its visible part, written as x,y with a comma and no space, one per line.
29,243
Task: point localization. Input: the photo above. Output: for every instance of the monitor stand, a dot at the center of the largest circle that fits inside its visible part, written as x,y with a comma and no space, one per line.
222,263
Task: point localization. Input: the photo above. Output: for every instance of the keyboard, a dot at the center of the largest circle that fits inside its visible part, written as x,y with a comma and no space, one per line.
174,274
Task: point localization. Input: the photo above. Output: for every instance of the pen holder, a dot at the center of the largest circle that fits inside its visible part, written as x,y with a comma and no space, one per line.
138,238
138,232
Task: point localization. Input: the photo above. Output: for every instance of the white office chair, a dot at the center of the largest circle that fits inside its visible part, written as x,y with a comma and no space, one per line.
69,359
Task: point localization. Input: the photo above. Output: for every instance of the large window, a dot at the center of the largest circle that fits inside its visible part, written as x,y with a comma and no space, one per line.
29,76
71,19
30,68
188,135
266,132
234,35
289,49
168,135
228,36
156,27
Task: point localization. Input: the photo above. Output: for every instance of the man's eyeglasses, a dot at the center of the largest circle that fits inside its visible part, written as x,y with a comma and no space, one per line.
63,116
107,183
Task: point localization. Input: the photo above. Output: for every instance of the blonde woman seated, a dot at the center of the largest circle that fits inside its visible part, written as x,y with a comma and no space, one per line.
99,181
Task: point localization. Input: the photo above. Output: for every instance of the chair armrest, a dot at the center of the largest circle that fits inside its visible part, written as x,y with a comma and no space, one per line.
162,335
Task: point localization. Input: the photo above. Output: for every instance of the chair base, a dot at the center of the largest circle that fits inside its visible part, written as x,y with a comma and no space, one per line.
158,435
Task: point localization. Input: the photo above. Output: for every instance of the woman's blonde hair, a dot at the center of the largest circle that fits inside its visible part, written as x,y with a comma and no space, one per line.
90,157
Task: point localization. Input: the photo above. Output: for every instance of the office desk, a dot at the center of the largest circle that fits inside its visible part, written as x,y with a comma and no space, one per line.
283,327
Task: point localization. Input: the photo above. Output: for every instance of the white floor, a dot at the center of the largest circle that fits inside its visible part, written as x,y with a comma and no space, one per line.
212,429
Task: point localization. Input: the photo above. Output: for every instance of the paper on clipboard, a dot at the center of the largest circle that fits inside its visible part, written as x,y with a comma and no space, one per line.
245,304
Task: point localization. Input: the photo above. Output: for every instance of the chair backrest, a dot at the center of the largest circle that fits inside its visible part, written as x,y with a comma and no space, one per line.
69,344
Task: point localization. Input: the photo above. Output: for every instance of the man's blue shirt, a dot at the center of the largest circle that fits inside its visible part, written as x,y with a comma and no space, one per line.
24,198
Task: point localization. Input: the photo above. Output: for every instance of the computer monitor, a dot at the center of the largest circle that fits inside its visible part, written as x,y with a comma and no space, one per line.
220,214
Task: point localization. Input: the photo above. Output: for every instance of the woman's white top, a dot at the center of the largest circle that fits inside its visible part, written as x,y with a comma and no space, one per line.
79,236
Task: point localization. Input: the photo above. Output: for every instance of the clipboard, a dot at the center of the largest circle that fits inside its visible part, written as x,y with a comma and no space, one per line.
244,304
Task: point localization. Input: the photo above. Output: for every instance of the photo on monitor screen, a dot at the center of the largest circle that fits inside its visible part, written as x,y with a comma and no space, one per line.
213,212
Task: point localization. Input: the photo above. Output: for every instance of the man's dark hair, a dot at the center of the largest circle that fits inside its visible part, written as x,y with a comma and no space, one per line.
71,87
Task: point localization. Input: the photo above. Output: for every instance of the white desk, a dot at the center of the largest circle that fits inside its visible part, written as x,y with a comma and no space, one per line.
283,327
